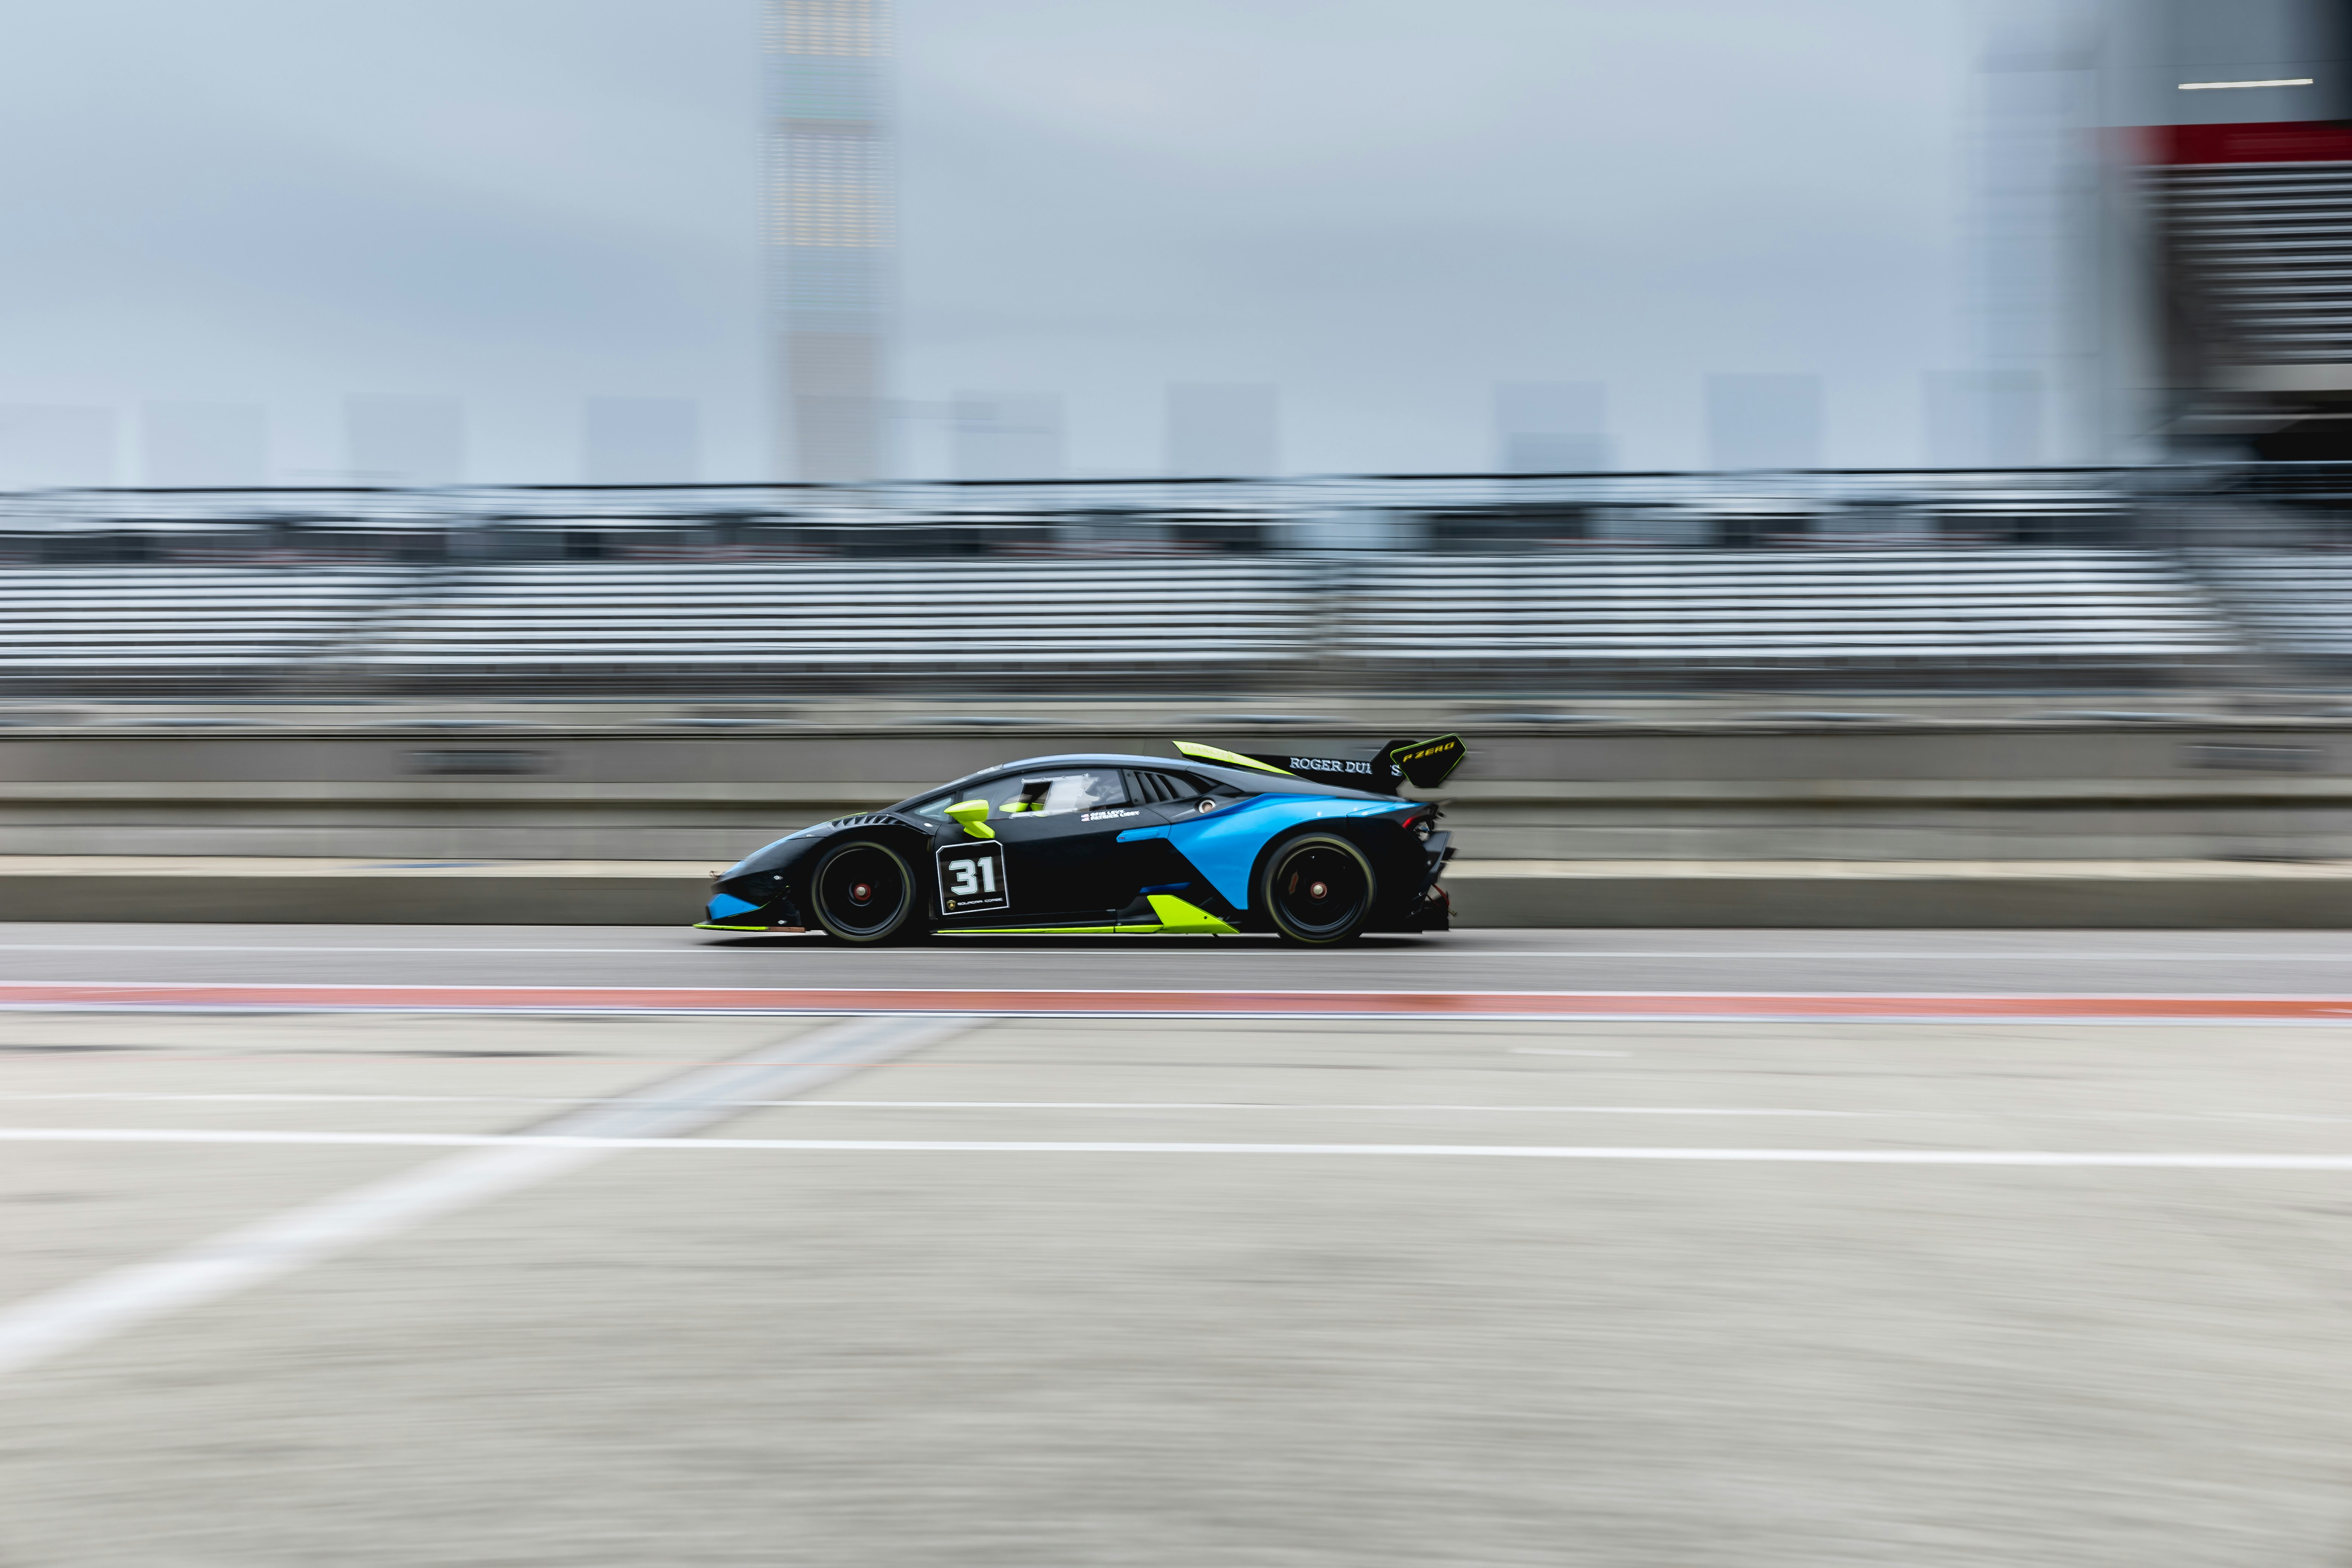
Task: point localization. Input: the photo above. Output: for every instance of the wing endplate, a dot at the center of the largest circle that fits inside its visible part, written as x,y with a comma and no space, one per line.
1426,763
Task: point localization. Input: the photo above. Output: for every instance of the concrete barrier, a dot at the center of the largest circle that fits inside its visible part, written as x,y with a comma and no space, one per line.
2183,895
1721,792
2026,895
323,891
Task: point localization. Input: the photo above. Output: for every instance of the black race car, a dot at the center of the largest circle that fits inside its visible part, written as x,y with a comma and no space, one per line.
1317,850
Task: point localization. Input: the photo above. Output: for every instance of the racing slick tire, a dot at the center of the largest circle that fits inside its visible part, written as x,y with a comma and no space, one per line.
1316,888
864,891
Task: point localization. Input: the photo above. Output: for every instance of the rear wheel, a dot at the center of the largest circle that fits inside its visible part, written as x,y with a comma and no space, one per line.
863,891
1316,888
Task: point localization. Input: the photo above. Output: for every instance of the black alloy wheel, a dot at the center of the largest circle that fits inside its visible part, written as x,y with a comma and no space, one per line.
1316,888
863,892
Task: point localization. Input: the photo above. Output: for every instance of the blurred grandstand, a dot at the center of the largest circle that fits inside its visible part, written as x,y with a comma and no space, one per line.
1458,584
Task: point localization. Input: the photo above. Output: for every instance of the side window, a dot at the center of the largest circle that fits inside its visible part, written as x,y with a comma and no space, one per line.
1044,794
1058,794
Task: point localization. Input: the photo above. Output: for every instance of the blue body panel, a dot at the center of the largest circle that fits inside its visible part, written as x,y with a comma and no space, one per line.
1223,844
724,906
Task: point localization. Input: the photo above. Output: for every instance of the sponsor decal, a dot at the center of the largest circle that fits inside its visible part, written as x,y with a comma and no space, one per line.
1329,765
1107,815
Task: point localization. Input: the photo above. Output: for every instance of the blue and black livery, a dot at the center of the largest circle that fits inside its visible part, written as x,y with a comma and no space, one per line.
1317,850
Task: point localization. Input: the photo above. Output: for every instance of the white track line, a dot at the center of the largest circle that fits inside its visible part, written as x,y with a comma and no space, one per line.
65,1320
131,1097
550,1142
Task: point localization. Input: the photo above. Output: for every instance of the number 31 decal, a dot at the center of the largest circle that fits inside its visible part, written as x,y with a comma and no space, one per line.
972,878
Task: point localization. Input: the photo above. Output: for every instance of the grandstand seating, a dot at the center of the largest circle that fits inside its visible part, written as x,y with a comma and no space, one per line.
2008,614
130,626
1200,622
2291,604
980,621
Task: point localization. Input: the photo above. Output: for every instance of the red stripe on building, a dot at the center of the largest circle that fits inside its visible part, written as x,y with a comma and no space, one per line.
2260,141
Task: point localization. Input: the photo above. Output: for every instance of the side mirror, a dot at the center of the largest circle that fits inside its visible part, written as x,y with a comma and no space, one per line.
974,815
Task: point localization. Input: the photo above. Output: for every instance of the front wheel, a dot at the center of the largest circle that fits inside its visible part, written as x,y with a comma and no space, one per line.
1316,888
863,892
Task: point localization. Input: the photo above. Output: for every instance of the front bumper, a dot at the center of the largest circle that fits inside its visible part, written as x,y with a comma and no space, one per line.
726,912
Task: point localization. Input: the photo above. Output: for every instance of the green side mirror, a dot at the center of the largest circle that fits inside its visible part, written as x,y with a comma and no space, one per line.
974,815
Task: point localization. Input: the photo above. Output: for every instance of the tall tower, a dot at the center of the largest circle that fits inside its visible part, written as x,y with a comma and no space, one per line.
832,231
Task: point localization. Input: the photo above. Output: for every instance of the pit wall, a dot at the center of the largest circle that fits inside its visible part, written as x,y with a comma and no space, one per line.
2253,791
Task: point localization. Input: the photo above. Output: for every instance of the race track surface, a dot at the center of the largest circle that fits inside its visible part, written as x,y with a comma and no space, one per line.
2007,962
391,1245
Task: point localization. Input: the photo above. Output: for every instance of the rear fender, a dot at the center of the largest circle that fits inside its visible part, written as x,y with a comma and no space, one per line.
1229,845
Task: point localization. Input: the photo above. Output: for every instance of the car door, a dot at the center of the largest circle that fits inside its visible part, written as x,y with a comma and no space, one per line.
1060,829
1056,829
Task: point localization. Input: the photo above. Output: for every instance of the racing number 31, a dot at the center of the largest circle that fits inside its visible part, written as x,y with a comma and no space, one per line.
972,878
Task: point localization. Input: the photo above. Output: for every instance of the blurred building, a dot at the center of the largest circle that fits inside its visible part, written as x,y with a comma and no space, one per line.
1008,435
2043,387
2241,106
396,440
831,232
1551,427
1983,419
205,443
45,445
2164,211
641,441
1764,421
1222,430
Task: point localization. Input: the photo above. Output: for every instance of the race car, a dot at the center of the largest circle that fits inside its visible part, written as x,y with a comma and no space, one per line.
1317,850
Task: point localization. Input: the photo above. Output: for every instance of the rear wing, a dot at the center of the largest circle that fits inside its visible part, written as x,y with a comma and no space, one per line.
1425,765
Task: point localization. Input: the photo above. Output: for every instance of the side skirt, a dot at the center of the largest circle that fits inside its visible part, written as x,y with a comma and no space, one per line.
1176,918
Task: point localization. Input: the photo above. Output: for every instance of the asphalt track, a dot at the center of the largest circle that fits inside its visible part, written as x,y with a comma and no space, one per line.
421,1245
2167,963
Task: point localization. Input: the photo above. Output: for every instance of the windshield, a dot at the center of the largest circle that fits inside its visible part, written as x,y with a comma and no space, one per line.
1043,792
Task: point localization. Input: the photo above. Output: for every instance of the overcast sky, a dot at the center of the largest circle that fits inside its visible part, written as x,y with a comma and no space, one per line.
1382,208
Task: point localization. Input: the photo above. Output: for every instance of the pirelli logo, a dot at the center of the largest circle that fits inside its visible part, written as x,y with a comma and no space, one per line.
1426,762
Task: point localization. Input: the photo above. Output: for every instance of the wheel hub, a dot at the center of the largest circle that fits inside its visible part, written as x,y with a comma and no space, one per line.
862,893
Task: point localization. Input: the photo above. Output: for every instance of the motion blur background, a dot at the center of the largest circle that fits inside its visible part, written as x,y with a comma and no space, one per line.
468,472
1820,432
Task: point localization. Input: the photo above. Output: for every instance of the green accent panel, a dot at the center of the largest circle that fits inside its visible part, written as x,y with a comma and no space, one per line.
974,815
1231,759
1048,931
1175,914
713,925
1176,918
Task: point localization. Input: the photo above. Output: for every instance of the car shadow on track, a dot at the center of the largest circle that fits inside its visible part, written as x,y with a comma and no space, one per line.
1247,942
